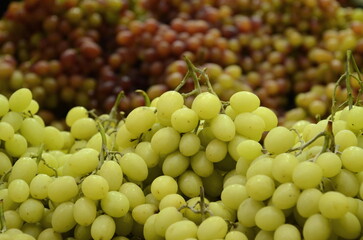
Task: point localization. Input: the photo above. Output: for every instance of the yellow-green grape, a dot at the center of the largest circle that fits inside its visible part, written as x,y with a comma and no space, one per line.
317,227
233,195
175,164
13,219
124,224
216,150
84,211
279,140
8,204
4,105
206,105
84,128
18,190
260,187
125,139
46,221
103,228
83,161
249,125
82,232
112,172
354,117
201,165
330,163
235,179
285,196
32,230
219,209
283,166
68,139
150,199
134,194
115,204
344,139
95,142
249,149
181,230
189,184
308,202
31,210
15,119
287,232
230,112
351,158
24,168
189,144
39,186
346,182
149,231
47,164
16,146
33,131
167,104
20,99
269,117
205,135
213,184
235,235
244,101
165,141
140,119
260,166
133,166
33,107
172,200
307,175
333,205
62,218
223,127
74,114
6,131
50,134
95,187
193,203
49,233
144,150
163,186
269,218
184,120
347,227
62,189
165,218
142,212
212,228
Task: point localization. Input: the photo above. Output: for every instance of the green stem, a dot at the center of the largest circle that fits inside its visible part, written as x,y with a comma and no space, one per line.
305,145
103,152
2,217
350,97
146,97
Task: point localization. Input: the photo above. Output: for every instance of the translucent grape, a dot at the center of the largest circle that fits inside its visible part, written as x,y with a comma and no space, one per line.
317,227
285,196
189,184
134,166
84,128
269,218
95,187
347,227
308,202
31,210
307,175
189,144
354,117
6,131
206,105
39,186
20,99
233,195
184,120
134,194
216,150
165,218
62,189
18,190
143,211
103,228
33,131
140,120
333,205
74,114
165,141
201,165
175,164
16,146
112,172
330,163
181,230
4,105
115,204
84,161
84,211
249,125
260,187
24,168
223,128
163,186
15,119
287,232
283,166
249,149
351,158
51,133
268,116
244,101
212,228
345,138
279,140
62,218
144,150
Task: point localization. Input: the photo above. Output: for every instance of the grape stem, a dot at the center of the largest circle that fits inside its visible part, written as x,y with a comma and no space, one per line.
146,97
2,216
202,204
39,158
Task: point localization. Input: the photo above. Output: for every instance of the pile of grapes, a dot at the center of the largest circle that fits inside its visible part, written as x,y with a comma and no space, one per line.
212,170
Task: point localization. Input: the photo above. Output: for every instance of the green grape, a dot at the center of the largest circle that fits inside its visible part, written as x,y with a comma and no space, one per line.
172,200
351,158
353,118
112,172
144,150
165,141
330,163
13,219
16,146
31,210
205,135
269,218
285,196
316,227
175,164
32,229
201,165
4,105
206,105
84,211
74,114
167,104
181,230
184,120
216,150
249,149
347,227
223,127
49,233
287,232
62,189
244,101
33,107
95,142
163,186
165,218
269,117
233,195
18,190
260,187
307,175
6,131
333,205
308,202
20,99
140,119
62,218
115,204
84,128
235,235
212,228
103,228
95,187
51,133
344,139
68,139
134,194
8,203
125,139
134,166
213,184
189,144
24,168
247,210
124,224
279,140
15,119
47,164
235,179
189,184
82,232
249,125
149,230
143,211
33,131
230,112
283,166
83,161
219,209
260,166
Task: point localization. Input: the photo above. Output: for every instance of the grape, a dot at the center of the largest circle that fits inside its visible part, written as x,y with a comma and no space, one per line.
62,218
83,161
15,119
16,146
184,120
112,172
189,144
134,166
260,187
249,125
31,210
189,184
134,194
163,186
269,218
4,105
285,196
216,150
84,211
175,164
347,226
62,189
51,133
333,205
5,163
95,187
144,150
181,230
140,120
74,114
20,100
345,138
330,163
249,150
143,211
24,168
272,143
6,131
350,158
260,166
201,165
233,195
165,141
307,175
317,227
308,202
172,200
346,182
13,219
103,227
223,128
149,230
84,128
352,118
125,139
49,233
115,204
33,131
211,228
206,105
167,104
283,166
18,190
287,231
165,218
244,101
